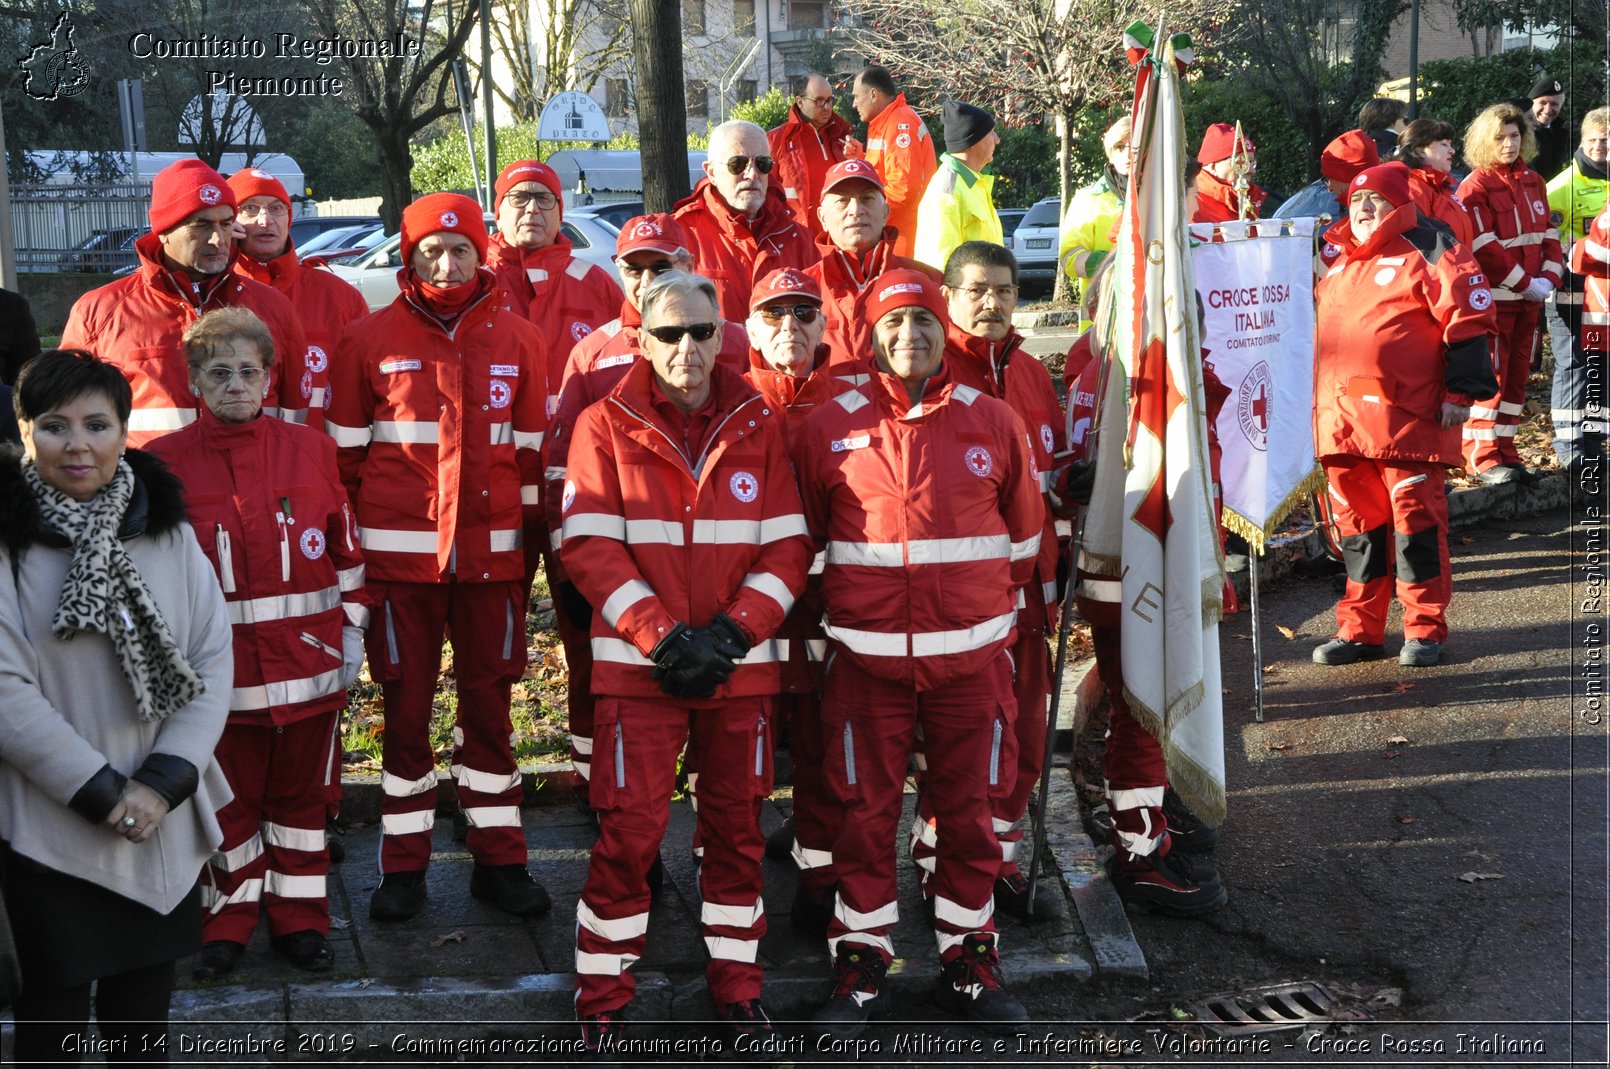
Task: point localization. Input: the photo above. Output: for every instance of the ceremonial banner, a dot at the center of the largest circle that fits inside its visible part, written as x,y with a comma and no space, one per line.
1151,521
1258,305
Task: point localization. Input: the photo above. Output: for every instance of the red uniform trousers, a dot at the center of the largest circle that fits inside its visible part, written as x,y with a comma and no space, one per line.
1133,764
273,858
1031,690
638,741
1408,499
817,815
487,621
1489,434
869,726
579,697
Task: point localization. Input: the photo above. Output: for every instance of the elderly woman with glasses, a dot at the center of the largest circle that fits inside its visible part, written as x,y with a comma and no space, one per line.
272,516
115,676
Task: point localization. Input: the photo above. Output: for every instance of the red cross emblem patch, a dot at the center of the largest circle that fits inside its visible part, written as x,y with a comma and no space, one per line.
745,487
979,462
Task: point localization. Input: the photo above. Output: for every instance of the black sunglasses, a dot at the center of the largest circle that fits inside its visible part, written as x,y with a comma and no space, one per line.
658,267
740,164
673,335
805,313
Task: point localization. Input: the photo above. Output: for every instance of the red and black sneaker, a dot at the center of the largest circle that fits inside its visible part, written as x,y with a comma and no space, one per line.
600,1032
970,984
858,994
746,1018
1168,882
1185,828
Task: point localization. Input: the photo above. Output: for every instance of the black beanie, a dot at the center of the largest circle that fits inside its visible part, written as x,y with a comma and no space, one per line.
1545,87
965,125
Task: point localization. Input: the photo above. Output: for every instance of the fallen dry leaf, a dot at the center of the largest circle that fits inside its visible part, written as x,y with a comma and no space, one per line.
366,981
1397,740
1268,668
1402,685
1472,877
1284,630
1277,745
1387,996
1405,820
450,937
1465,540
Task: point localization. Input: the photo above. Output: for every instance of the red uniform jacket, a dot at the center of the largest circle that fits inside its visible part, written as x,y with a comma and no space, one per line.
1403,325
930,518
1434,195
1216,201
1590,258
565,298
846,278
324,306
1514,242
440,435
138,322
272,516
654,537
735,252
1004,371
898,145
804,154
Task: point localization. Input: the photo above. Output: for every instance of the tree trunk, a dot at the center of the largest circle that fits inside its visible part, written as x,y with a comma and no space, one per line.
661,103
396,182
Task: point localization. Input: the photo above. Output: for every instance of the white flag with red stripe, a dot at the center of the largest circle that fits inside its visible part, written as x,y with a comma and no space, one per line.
1152,520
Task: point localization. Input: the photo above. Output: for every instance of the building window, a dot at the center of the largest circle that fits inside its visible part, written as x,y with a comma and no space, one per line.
747,90
743,17
617,98
692,16
698,100
807,15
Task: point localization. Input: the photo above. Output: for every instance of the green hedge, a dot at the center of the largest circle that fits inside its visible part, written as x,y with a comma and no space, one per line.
1456,90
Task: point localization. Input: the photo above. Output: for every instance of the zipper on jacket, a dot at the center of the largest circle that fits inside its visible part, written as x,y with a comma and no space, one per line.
391,634
995,754
285,549
694,469
760,746
620,755
226,561
314,640
849,756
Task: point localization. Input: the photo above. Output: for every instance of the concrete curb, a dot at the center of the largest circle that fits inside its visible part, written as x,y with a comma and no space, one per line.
1027,322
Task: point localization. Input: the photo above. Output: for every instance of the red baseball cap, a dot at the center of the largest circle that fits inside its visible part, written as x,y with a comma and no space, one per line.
846,170
1390,180
1346,156
527,171
657,232
437,212
182,189
1218,143
784,282
903,288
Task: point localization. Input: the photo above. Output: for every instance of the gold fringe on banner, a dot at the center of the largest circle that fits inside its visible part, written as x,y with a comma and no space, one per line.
1236,523
1203,795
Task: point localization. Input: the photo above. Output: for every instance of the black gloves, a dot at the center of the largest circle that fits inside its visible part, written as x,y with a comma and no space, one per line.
574,606
689,663
1079,481
727,637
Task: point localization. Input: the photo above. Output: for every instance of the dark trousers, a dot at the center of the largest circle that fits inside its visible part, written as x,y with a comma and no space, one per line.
131,1013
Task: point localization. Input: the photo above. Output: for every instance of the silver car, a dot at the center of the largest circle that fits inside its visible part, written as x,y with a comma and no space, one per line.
592,239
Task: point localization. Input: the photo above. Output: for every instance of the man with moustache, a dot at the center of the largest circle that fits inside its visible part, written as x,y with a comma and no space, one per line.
138,322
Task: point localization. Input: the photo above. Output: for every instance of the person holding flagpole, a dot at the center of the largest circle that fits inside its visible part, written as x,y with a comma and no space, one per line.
1401,349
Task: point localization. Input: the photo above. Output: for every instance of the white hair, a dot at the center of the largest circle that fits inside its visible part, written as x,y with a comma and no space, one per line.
676,284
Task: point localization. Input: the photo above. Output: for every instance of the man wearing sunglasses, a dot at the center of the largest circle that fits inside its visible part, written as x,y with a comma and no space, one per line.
920,492
324,304
138,321
650,247
545,283
738,222
857,246
682,523
811,140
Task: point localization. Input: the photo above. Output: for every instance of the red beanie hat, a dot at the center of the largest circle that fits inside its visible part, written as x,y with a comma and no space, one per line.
1390,180
182,189
1346,156
903,288
251,183
527,171
1219,143
436,212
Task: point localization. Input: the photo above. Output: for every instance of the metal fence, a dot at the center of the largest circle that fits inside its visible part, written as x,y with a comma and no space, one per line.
74,228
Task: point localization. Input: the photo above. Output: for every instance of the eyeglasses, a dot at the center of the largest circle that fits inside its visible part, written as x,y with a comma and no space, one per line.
221,376
520,200
658,267
820,102
248,212
740,164
1002,294
776,313
673,335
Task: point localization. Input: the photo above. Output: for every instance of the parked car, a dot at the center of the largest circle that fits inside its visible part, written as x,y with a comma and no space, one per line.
616,213
305,228
375,272
343,239
1010,218
105,250
1035,241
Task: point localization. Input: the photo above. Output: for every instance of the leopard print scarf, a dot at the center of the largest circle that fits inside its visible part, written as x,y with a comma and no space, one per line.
103,592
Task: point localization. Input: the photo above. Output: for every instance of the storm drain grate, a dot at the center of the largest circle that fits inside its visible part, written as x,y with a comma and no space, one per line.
1270,1009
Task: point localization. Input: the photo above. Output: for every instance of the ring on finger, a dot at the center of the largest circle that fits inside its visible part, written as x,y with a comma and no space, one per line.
130,822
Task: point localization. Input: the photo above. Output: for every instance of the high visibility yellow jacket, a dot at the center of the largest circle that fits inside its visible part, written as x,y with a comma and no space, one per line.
1575,201
1085,227
957,206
